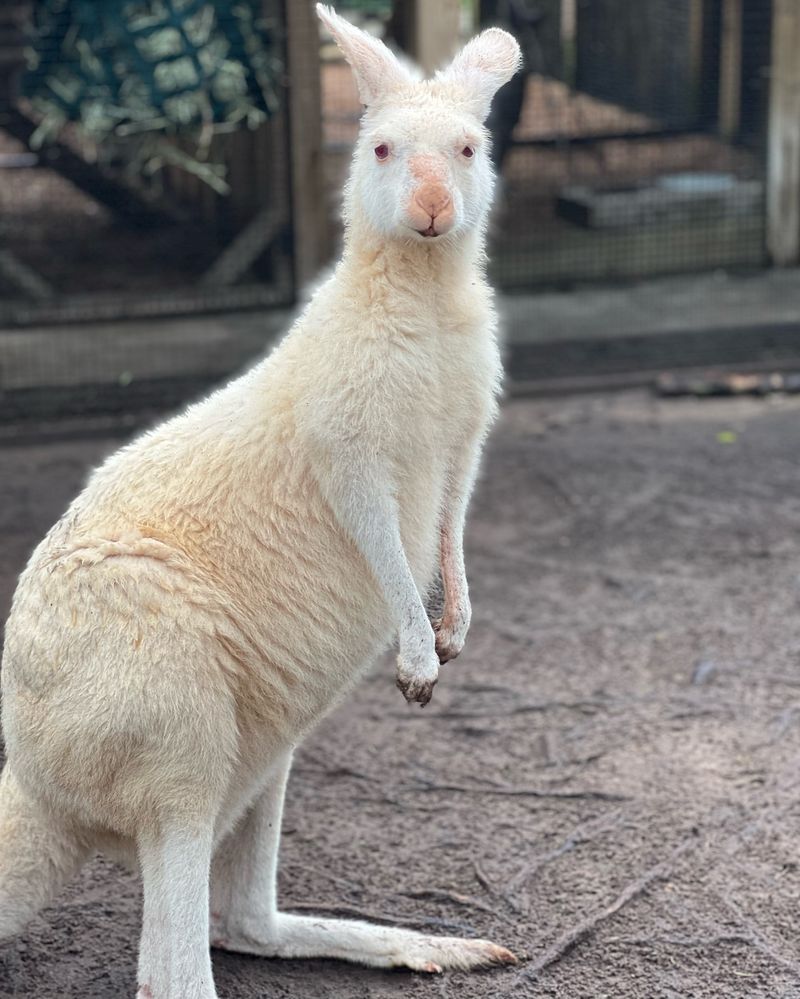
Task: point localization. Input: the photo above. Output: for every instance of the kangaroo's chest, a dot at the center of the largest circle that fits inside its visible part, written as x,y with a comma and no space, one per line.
441,416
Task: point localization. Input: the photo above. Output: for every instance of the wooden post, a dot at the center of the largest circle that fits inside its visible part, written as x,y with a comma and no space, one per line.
429,30
696,36
783,157
730,70
309,218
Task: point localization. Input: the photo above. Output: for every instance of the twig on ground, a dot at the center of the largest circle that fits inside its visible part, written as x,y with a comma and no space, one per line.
534,707
519,792
442,895
483,878
498,892
752,934
587,927
754,940
578,837
331,773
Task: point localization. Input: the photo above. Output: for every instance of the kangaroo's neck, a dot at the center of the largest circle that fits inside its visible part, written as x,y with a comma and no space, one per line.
422,271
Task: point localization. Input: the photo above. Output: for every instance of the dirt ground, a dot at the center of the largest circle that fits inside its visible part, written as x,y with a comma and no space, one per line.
607,780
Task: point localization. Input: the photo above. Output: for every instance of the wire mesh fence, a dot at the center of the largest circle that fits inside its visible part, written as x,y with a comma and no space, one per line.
143,157
148,153
632,144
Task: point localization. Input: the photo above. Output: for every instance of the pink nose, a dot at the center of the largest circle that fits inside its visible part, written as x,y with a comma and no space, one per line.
432,198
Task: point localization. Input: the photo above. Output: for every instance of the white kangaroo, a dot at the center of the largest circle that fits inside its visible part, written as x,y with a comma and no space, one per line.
222,581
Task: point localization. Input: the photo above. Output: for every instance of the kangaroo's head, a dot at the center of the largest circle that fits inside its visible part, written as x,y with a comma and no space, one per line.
421,168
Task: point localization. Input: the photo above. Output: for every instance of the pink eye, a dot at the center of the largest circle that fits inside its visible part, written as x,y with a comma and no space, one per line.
468,151
382,151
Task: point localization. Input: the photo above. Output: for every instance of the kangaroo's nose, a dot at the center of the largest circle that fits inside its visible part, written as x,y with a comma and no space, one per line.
432,198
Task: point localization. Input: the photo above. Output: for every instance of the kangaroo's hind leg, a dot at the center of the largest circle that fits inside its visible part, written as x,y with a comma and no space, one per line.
38,855
174,959
245,916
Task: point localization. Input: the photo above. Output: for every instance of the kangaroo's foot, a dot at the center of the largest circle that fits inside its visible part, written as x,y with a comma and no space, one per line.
286,935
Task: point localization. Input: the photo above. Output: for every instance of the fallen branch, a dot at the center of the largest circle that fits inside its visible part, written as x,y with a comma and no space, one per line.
587,927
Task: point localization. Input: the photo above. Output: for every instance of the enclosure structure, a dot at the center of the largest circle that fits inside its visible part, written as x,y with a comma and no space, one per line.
633,144
164,156
145,162
185,157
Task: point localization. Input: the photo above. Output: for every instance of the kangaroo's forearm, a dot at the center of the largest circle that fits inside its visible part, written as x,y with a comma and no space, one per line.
452,629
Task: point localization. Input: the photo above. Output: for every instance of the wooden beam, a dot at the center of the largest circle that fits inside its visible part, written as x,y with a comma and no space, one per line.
23,277
310,224
730,70
246,248
783,156
134,205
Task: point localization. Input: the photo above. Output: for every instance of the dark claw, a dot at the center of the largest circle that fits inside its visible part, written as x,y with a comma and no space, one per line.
420,691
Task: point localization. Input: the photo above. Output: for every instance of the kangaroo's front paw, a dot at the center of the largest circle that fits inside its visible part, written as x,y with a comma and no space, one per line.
417,680
416,689
449,640
451,631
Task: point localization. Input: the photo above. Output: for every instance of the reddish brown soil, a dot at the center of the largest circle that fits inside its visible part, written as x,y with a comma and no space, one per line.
613,761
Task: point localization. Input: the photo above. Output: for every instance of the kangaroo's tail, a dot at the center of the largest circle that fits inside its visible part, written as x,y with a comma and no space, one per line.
37,856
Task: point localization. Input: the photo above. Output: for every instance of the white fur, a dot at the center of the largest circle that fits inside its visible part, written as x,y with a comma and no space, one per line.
482,67
376,69
222,581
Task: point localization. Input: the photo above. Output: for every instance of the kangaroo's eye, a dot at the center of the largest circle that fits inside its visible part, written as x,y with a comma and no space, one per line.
468,151
382,151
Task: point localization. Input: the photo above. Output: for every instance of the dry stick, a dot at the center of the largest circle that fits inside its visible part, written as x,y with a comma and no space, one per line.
751,939
584,929
578,837
756,938
497,892
442,895
520,792
534,707
483,878
585,707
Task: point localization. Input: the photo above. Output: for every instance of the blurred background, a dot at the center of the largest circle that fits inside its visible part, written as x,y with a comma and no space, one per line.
170,175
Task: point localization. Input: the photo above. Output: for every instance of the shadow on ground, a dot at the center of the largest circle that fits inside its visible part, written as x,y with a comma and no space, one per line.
607,780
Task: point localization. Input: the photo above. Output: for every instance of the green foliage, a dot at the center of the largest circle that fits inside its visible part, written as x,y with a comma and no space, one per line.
134,74
370,8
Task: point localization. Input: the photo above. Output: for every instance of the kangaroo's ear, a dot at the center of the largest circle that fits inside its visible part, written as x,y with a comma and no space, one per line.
376,69
483,66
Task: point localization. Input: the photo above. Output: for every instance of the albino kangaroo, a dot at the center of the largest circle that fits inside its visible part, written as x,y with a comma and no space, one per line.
222,581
